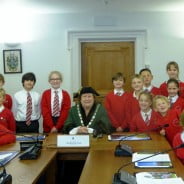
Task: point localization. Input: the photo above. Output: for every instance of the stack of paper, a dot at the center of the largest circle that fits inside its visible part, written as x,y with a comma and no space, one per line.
158,178
160,160
128,137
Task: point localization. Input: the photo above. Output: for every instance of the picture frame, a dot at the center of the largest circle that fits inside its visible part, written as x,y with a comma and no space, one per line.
12,60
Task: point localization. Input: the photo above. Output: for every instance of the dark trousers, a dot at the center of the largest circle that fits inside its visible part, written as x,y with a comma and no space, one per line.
21,127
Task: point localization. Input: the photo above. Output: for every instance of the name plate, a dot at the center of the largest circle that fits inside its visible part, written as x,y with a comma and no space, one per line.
73,141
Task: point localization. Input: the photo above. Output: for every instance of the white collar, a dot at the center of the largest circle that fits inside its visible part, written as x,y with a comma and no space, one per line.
1,108
121,91
148,113
174,98
149,88
182,136
58,90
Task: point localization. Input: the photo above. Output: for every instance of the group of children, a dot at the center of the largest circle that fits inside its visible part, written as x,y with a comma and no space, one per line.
146,108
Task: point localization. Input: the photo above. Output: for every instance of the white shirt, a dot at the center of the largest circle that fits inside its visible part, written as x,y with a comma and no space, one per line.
147,88
182,136
1,108
174,98
20,105
60,94
144,116
119,91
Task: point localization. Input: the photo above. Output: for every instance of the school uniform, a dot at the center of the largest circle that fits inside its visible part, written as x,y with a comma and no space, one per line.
132,107
49,121
115,104
20,110
8,101
178,140
164,92
177,103
142,122
172,119
7,119
6,136
152,89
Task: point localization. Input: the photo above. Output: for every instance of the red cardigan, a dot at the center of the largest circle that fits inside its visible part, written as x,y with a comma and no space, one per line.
137,123
7,119
163,89
115,106
8,101
6,136
47,111
155,91
178,105
171,118
176,142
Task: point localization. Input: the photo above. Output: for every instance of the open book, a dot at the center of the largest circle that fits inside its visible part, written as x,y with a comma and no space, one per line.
158,178
157,161
128,137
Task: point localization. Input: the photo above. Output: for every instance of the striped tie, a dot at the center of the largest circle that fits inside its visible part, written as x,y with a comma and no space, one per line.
29,109
146,118
56,105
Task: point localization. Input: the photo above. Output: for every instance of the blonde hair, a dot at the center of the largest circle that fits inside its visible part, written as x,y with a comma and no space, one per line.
2,78
147,94
137,76
160,97
57,73
2,92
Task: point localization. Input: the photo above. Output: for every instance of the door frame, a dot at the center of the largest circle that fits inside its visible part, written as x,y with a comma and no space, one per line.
138,36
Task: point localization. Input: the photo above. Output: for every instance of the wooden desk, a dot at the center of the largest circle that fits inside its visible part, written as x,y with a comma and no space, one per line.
101,164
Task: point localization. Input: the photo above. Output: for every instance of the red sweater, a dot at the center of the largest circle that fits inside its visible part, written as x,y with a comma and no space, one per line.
6,136
163,89
47,110
178,105
132,107
171,118
115,106
8,102
155,91
7,119
176,142
137,123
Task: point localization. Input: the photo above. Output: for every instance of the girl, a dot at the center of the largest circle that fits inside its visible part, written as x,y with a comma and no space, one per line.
115,103
173,73
132,104
8,99
179,139
176,102
145,119
165,115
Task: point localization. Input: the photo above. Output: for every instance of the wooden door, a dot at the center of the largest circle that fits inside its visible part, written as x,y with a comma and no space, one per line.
100,61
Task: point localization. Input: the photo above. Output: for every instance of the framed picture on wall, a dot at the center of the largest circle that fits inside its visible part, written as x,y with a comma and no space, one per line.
12,60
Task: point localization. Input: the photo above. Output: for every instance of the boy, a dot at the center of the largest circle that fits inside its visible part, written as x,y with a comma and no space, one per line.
55,104
148,77
26,106
165,115
8,100
6,116
115,103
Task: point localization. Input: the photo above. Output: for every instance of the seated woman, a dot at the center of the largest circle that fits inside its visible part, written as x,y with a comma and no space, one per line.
88,115
179,139
6,136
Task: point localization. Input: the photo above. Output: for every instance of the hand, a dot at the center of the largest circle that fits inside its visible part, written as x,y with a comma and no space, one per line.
162,132
119,129
54,130
82,130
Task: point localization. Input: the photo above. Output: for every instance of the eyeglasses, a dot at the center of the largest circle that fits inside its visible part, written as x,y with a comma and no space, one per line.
56,79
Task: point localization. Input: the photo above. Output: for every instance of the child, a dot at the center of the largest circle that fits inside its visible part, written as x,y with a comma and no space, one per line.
179,139
176,102
165,115
115,103
8,100
6,136
148,77
55,104
26,106
6,116
145,119
132,104
173,73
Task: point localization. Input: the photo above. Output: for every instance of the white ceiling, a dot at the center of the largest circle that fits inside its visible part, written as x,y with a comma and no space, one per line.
75,6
